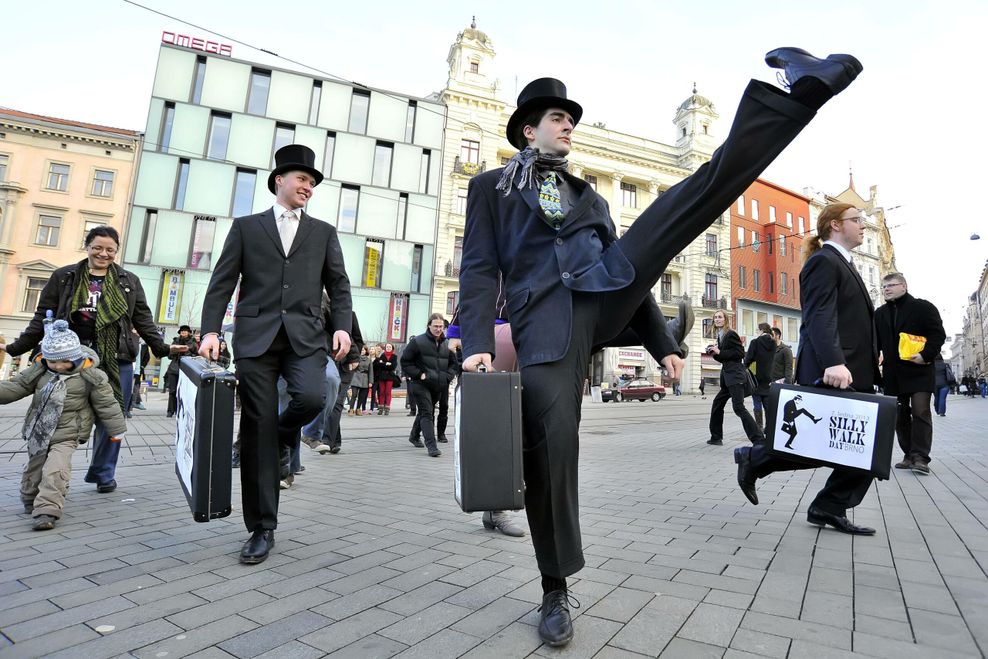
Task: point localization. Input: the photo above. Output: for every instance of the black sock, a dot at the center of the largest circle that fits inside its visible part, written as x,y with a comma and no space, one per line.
811,92
550,584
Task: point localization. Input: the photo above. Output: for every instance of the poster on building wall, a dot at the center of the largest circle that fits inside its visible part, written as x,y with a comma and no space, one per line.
372,263
172,283
398,320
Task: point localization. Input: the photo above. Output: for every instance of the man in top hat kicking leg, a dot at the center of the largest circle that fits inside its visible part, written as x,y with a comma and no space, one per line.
284,258
572,284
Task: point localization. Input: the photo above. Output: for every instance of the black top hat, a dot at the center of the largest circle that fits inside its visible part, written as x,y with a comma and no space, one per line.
540,94
294,158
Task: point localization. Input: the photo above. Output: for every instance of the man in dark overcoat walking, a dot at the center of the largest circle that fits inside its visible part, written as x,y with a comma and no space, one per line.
572,284
283,259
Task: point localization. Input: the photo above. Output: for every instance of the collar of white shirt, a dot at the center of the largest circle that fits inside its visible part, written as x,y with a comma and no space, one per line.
840,248
280,210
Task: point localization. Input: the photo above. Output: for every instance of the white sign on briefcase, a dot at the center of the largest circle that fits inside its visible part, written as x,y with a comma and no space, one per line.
828,426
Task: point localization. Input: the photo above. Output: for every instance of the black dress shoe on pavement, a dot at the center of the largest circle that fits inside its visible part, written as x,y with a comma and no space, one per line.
714,441
257,548
841,523
434,452
334,450
555,623
746,475
836,72
442,439
105,488
416,442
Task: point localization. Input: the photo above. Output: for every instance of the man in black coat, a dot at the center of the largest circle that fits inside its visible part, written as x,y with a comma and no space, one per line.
782,364
837,348
730,353
572,284
428,362
910,379
283,259
761,353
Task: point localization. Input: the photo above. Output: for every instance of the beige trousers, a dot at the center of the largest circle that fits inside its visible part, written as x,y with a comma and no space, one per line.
45,481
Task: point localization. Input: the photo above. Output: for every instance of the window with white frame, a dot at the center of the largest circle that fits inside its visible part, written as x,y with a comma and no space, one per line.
87,226
788,219
782,245
4,162
58,177
102,183
461,201
740,236
741,205
470,151
754,209
49,227
32,294
629,195
771,213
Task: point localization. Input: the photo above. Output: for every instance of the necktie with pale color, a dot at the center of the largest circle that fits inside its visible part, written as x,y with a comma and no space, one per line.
289,225
550,201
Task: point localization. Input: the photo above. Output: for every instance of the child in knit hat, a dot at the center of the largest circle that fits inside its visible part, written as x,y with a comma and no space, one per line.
70,394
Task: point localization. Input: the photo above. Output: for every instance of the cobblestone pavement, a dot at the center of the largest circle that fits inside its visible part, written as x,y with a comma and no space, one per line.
374,558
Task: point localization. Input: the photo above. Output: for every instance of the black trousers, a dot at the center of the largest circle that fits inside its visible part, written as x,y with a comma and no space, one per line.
442,419
263,431
766,122
914,425
426,395
735,394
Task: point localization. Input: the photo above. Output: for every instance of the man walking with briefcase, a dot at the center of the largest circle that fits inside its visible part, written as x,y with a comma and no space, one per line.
571,283
837,348
283,259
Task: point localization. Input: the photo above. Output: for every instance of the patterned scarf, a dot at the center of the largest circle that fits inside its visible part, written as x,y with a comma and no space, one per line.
111,308
531,162
39,427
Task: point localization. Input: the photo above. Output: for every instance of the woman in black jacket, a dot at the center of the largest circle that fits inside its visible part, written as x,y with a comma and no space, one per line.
101,301
730,353
183,345
429,363
384,377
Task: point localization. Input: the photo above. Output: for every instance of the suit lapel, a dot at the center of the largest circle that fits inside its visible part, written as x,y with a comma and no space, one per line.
304,229
855,274
271,228
531,197
582,202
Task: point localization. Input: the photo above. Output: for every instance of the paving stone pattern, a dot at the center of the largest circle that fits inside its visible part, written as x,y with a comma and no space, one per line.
374,558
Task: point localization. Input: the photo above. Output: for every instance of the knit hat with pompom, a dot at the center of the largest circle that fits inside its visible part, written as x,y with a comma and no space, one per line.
60,343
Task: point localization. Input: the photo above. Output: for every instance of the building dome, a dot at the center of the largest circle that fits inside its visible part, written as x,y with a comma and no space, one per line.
473,33
696,101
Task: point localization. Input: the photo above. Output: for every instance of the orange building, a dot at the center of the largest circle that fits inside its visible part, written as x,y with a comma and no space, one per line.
58,179
768,223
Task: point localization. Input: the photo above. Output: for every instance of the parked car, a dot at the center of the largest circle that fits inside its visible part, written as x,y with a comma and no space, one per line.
634,390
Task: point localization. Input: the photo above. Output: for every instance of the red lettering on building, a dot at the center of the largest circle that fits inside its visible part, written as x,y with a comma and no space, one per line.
196,43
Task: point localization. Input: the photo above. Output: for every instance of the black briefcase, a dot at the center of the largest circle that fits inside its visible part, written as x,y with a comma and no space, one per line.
832,427
204,436
487,457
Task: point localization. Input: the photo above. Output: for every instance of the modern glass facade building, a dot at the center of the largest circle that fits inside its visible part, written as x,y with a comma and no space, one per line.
213,127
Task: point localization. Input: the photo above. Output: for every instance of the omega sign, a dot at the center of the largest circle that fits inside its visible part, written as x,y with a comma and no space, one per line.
185,41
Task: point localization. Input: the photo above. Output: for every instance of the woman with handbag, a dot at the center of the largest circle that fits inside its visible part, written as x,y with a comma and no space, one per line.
361,383
736,382
384,373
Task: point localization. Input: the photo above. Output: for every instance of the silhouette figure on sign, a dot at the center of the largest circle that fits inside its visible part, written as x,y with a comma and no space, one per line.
790,413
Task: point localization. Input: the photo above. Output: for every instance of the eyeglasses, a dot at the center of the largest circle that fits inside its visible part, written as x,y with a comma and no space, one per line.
109,251
893,284
858,219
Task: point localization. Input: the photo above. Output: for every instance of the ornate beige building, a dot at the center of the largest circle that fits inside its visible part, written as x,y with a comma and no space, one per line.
58,178
627,170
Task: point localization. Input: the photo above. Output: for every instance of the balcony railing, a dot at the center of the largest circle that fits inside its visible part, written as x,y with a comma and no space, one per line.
468,168
714,303
451,270
669,298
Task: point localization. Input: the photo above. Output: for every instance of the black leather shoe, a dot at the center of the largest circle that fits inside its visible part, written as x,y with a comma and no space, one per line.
442,439
416,442
555,623
105,488
334,449
434,452
714,441
746,476
257,548
839,522
836,72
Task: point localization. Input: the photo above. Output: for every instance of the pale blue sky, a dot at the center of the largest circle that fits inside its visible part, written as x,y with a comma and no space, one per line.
911,124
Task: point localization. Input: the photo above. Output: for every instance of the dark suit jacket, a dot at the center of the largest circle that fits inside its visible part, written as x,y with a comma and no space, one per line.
510,234
279,289
761,352
730,358
912,316
838,321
